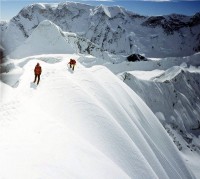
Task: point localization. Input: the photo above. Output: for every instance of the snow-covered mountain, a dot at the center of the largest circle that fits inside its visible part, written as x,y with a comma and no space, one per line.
113,29
170,87
86,124
173,95
48,38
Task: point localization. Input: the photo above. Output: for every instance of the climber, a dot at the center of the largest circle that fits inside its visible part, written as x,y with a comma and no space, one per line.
38,71
72,64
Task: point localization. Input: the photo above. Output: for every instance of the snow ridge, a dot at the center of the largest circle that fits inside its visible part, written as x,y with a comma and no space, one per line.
174,97
89,119
46,38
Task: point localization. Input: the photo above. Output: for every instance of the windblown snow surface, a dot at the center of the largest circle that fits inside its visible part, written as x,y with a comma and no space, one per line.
170,87
82,124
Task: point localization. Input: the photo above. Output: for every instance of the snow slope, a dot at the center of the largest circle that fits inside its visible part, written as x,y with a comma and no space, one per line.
173,95
46,38
82,124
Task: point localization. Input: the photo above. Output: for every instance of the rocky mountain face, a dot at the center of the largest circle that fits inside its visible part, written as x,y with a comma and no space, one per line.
172,23
111,29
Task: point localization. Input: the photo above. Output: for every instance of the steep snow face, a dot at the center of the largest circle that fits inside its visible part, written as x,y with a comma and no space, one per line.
87,118
173,95
46,38
177,90
110,12
112,28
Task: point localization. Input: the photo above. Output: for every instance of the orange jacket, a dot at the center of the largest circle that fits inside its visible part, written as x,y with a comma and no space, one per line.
38,69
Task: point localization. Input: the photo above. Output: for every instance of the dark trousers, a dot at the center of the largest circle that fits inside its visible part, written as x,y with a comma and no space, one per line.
72,66
37,77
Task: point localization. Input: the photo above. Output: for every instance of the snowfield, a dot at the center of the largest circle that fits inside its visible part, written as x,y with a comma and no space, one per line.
81,124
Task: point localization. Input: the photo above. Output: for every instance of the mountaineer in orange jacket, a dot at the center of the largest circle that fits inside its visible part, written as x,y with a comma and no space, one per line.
72,64
38,71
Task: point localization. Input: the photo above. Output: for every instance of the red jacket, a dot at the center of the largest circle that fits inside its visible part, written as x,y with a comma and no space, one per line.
72,62
38,69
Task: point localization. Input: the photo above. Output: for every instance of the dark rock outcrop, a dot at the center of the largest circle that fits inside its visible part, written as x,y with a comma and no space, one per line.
1,54
136,57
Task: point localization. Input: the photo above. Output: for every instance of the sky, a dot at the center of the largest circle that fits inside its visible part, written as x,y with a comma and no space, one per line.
10,8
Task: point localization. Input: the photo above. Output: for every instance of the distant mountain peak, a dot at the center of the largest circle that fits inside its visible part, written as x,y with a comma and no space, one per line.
46,38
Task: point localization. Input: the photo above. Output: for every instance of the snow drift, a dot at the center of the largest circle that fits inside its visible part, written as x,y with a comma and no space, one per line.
86,124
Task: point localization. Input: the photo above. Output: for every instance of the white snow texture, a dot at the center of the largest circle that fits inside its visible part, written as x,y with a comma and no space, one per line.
108,118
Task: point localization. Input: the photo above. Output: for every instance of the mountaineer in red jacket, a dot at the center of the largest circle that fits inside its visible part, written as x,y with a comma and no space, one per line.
38,71
72,64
